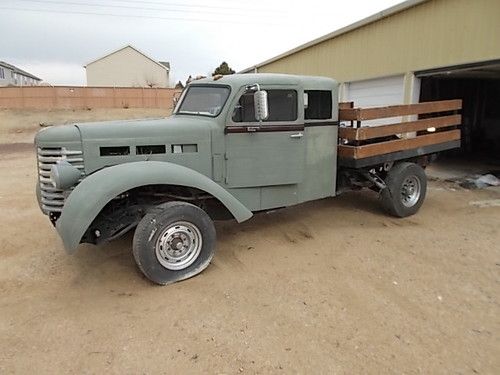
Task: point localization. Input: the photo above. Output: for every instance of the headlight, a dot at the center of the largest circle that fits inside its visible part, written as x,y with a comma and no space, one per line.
63,175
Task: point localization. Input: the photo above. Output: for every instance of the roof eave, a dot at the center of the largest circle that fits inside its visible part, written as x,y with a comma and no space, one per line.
135,49
15,69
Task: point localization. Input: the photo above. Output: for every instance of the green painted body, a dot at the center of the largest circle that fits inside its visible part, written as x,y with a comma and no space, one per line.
102,186
246,172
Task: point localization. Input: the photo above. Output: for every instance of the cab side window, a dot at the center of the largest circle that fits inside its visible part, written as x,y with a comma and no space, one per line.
282,106
319,106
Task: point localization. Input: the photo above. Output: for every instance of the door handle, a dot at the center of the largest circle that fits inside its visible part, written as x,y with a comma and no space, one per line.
298,135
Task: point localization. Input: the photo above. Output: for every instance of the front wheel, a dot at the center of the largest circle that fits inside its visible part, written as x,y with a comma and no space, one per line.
406,185
173,242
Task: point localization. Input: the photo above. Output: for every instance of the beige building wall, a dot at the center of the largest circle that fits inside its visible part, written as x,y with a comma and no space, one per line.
126,68
436,33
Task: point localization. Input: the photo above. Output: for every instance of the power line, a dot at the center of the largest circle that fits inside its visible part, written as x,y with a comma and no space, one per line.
177,4
251,9
239,22
118,6
188,6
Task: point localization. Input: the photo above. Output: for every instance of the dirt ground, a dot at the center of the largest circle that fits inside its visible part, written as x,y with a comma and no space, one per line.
333,286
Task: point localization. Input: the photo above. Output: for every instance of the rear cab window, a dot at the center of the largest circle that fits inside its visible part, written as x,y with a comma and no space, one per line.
319,105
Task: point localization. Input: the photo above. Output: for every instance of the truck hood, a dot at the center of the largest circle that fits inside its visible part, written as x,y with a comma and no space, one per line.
178,139
130,131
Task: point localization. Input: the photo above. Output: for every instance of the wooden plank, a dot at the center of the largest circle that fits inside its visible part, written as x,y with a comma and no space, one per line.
359,152
346,105
360,134
360,114
345,151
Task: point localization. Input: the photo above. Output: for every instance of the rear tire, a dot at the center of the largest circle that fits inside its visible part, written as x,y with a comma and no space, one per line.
406,186
173,242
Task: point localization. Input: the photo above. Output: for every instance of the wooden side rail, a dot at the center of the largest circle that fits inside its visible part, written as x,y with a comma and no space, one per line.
346,105
370,132
365,151
369,141
361,114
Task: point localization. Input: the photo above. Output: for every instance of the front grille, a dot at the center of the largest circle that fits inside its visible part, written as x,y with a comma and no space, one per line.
52,199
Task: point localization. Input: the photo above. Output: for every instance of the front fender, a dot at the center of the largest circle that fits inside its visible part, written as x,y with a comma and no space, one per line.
95,191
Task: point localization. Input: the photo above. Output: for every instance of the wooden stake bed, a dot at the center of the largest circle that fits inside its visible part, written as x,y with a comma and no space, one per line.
370,145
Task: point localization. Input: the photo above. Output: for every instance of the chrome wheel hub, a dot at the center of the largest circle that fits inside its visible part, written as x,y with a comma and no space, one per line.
410,191
178,246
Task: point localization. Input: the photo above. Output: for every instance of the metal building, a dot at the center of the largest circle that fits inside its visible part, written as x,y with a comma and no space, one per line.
419,50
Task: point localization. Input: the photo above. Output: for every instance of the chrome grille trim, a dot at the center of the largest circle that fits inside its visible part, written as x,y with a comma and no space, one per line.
52,199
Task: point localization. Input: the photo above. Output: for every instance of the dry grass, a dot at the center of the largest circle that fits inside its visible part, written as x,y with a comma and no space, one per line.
19,126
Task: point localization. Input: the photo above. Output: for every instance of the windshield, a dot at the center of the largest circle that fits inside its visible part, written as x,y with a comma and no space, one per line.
203,100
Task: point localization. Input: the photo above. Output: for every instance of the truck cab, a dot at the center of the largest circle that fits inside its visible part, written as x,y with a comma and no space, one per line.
286,158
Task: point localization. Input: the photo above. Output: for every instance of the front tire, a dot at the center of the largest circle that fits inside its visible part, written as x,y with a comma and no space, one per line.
173,242
406,186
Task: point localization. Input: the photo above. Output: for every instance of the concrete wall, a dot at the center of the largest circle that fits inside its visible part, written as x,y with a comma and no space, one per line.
436,33
126,68
66,97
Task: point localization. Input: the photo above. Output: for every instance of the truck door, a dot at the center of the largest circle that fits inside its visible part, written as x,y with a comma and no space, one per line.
269,153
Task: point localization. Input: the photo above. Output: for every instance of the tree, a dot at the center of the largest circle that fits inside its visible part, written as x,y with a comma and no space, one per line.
151,81
223,69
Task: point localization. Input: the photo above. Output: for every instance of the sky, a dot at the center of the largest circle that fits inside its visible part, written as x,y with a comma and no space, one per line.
54,39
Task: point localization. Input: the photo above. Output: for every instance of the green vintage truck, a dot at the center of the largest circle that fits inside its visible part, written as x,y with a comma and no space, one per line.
233,146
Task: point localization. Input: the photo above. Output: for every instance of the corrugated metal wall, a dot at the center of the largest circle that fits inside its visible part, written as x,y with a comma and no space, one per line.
437,33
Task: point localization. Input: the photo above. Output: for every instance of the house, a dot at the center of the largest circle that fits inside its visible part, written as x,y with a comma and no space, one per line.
127,67
419,50
11,75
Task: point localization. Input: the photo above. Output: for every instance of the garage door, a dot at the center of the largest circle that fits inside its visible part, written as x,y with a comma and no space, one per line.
377,92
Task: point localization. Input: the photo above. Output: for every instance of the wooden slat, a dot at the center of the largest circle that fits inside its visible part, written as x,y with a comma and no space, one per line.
360,114
346,105
359,152
360,134
345,151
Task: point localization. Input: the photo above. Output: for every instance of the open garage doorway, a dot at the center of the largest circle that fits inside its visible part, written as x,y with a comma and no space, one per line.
478,85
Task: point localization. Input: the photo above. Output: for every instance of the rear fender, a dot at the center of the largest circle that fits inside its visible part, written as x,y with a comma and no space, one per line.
95,191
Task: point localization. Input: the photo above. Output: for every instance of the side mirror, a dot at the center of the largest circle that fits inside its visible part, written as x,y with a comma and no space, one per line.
261,105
